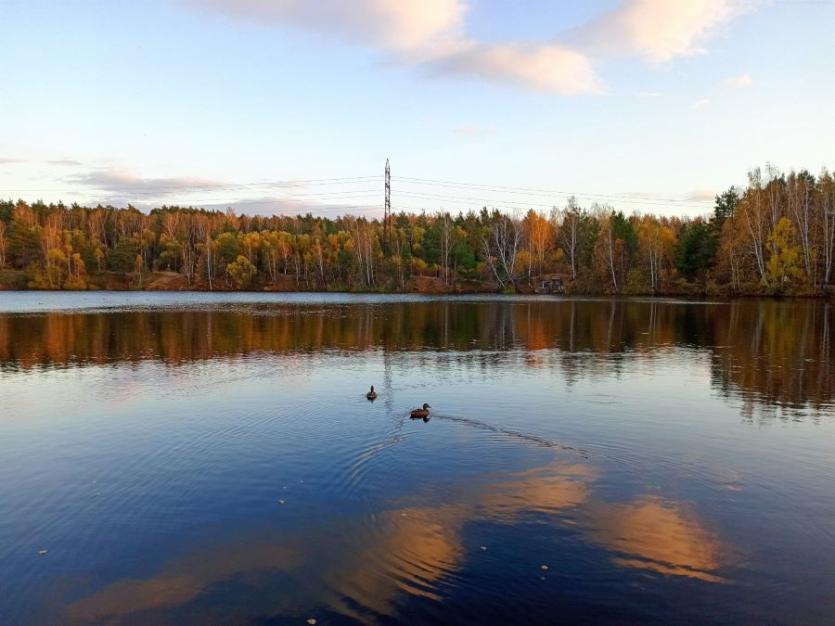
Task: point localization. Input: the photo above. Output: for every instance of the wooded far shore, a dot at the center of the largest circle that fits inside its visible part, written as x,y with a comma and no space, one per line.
776,236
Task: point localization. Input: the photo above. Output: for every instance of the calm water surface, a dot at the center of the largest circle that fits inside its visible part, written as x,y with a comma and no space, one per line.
198,458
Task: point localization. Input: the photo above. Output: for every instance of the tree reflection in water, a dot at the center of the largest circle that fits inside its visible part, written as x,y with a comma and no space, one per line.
775,355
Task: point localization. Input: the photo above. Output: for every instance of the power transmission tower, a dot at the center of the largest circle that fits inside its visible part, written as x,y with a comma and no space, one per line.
387,210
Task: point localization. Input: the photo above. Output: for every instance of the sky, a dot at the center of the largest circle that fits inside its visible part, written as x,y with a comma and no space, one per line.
288,106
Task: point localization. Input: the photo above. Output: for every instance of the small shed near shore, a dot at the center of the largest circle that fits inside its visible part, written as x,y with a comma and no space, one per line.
550,284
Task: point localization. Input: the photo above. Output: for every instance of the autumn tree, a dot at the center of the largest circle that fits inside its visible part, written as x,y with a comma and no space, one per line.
2,243
656,241
501,240
606,249
784,267
539,238
744,246
825,239
241,271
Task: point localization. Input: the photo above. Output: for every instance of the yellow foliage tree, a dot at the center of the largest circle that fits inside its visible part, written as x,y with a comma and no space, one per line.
241,271
77,278
783,267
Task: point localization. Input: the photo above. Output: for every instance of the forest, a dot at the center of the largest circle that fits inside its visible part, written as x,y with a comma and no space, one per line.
775,236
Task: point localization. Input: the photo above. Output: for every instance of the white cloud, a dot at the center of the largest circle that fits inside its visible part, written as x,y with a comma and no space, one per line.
271,205
55,162
739,82
432,34
64,162
545,68
394,25
119,187
660,30
701,195
701,104
126,184
429,34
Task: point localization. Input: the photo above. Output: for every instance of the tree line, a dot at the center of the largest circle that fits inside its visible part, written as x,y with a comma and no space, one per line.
774,236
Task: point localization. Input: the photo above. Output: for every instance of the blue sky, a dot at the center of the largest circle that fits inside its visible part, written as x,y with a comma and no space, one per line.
649,105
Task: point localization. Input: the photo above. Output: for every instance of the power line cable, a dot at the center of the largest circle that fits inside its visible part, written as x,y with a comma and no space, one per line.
622,196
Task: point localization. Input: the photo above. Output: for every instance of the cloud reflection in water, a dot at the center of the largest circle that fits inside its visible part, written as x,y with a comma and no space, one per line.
363,566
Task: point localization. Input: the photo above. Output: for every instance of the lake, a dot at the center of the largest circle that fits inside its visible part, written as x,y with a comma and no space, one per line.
212,458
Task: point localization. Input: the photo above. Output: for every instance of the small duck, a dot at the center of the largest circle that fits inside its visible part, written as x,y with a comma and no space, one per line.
420,413
371,395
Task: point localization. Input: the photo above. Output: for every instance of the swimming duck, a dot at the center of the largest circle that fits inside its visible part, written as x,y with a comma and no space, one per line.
371,395
420,413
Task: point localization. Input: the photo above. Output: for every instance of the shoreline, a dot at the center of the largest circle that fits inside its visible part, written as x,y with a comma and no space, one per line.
823,296
172,282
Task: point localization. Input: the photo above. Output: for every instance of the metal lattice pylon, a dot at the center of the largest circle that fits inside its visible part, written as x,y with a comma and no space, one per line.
387,209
